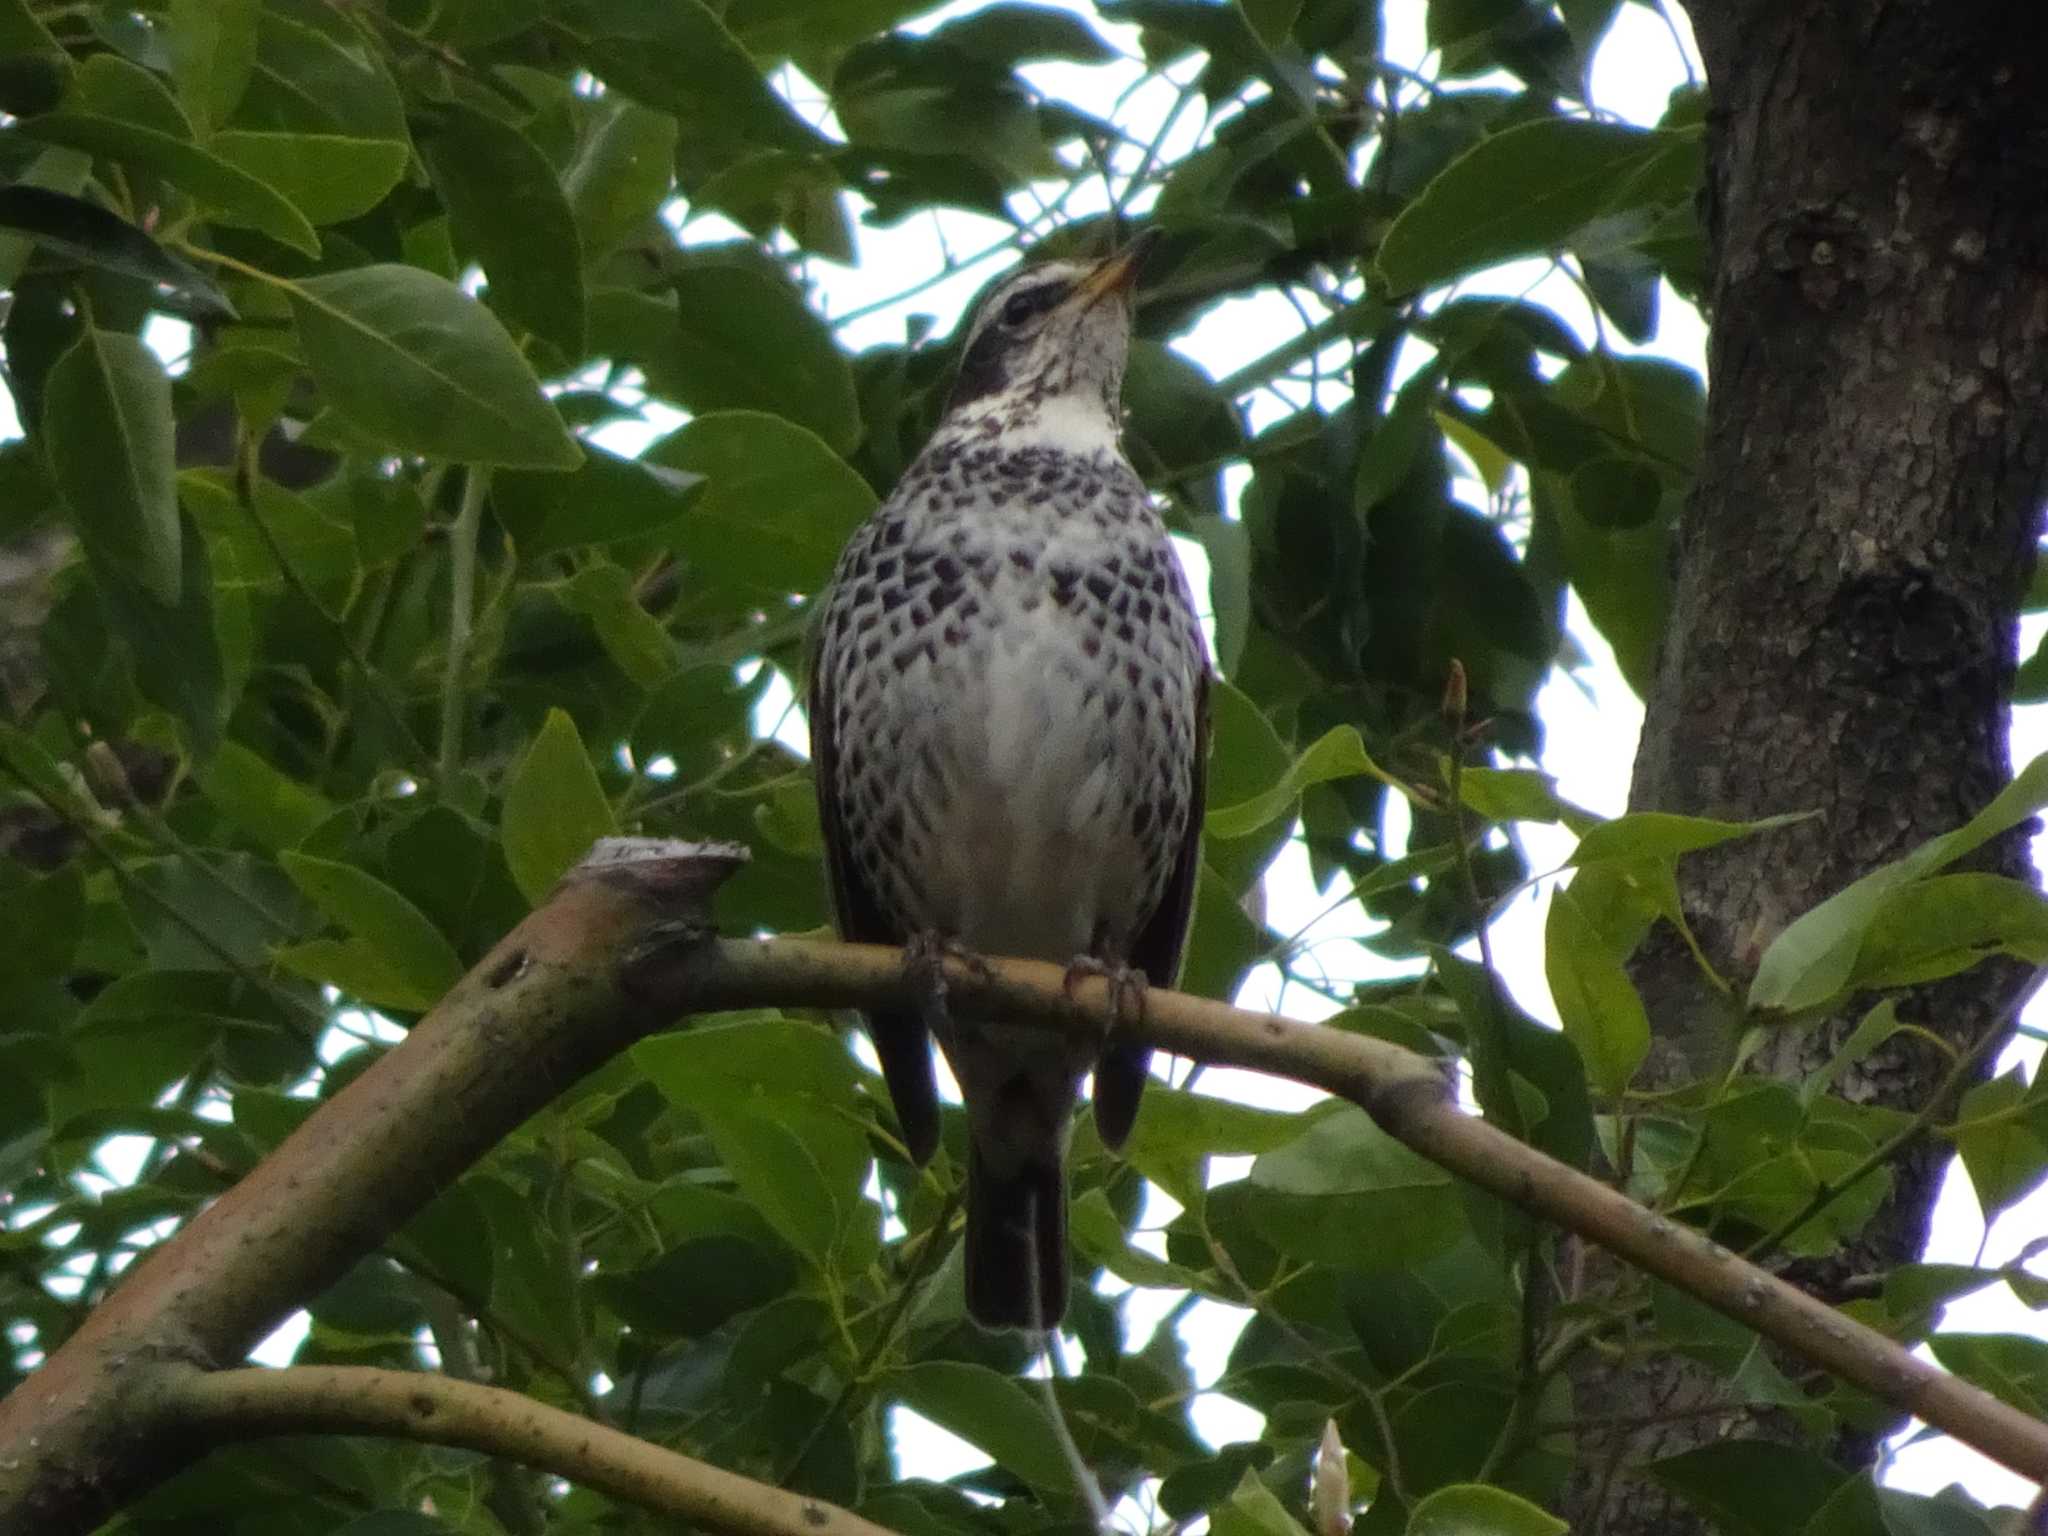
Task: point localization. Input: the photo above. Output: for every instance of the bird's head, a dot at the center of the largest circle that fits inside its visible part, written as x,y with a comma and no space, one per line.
1045,352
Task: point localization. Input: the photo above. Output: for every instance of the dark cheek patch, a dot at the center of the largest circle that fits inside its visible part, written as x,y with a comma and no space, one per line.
984,370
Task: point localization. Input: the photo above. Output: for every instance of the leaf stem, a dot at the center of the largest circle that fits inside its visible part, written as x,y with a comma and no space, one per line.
246,477
1995,1034
461,612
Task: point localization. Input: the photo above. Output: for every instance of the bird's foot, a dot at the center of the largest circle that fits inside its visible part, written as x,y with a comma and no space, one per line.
1127,985
924,966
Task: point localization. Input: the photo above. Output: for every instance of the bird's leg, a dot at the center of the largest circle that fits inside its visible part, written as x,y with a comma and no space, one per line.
925,954
1127,986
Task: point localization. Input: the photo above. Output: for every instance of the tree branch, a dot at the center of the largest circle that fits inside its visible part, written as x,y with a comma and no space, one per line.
624,946
254,1403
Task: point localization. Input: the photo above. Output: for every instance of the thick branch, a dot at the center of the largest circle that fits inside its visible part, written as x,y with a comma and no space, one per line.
82,1435
1406,1095
253,1404
624,947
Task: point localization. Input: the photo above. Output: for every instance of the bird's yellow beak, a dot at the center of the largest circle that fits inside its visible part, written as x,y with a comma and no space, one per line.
1117,274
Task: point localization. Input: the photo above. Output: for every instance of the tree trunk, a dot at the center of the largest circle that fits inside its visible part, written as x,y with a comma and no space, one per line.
1852,559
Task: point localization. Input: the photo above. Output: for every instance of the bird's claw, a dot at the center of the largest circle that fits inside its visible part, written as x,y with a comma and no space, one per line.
1127,986
924,965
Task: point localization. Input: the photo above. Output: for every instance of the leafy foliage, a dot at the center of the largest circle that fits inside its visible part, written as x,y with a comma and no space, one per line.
335,641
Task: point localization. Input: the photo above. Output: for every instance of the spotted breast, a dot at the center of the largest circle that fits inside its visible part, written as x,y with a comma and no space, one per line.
1008,719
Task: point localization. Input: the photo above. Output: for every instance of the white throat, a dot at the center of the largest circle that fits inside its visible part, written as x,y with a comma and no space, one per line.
1068,423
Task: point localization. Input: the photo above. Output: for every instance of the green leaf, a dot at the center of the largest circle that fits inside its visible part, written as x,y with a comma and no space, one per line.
990,1410
418,365
1225,943
47,916
1099,1238
744,341
1341,1177
676,55
1246,760
799,193
1616,492
1876,1027
326,177
779,1100
397,1522
1947,923
319,119
275,810
1814,959
2011,1367
1511,1055
176,650
1662,835
605,499
316,547
1228,544
780,1177
1387,454
1596,1002
777,507
1011,34
213,51
2001,1134
1196,1487
33,65
382,920
1623,575
699,1285
621,172
1177,1133
554,808
1253,1509
507,210
108,425
229,194
72,228
1751,1487
1519,794
698,716
1337,754
452,1237
1472,1509
56,169
1537,187
360,972
637,644
1948,1513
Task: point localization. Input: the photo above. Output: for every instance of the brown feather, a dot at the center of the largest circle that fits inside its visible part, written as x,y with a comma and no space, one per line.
900,1039
1159,947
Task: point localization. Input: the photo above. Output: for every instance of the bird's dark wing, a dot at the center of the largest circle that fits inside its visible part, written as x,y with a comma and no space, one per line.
1120,1074
900,1038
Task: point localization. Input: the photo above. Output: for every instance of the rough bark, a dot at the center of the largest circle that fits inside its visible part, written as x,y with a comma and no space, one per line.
1852,559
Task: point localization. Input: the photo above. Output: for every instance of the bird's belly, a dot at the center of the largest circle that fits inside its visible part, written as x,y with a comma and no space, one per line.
1030,848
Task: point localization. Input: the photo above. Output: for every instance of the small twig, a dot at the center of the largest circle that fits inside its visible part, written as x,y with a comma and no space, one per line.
512,1496
246,474
1455,699
170,910
1063,1435
1963,1067
929,1256
462,541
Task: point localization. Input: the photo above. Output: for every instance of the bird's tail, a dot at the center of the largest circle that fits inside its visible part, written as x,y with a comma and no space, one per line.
1016,1241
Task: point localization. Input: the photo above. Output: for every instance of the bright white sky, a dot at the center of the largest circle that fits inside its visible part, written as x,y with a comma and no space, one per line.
1591,718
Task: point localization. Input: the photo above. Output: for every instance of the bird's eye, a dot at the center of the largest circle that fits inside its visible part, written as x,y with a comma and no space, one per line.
1022,306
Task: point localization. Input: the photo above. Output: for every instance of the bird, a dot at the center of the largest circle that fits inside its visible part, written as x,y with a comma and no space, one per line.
1008,705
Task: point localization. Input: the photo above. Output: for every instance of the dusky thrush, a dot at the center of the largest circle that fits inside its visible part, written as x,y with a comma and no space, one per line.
1008,723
